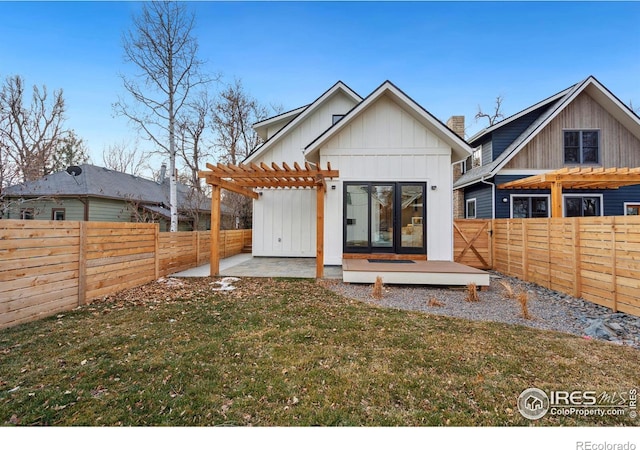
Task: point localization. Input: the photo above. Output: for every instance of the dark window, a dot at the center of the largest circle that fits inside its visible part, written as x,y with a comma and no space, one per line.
581,147
58,214
581,206
471,209
26,214
528,207
336,118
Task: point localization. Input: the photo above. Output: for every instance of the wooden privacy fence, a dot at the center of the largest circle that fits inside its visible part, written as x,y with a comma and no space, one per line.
595,258
472,243
51,266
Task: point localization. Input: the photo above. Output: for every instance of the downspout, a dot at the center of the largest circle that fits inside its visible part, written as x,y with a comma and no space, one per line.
493,196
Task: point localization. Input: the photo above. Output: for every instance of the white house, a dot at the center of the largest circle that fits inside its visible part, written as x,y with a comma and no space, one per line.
394,191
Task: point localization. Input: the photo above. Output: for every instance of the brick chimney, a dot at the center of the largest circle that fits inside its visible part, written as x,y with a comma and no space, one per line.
456,124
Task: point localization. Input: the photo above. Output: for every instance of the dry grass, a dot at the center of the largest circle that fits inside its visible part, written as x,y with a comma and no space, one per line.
434,302
508,290
377,288
472,293
287,353
523,299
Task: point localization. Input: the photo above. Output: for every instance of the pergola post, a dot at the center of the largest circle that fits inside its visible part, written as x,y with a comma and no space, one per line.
215,231
320,230
243,179
556,199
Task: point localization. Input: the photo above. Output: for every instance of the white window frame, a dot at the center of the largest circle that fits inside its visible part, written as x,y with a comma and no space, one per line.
626,204
512,196
583,195
476,151
466,208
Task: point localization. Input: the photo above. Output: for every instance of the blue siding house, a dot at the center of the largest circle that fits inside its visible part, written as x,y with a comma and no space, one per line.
584,125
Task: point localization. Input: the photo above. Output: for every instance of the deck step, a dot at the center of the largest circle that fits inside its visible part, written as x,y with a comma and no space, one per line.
420,272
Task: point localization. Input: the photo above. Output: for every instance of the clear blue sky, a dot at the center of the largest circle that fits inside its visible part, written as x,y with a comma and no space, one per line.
449,56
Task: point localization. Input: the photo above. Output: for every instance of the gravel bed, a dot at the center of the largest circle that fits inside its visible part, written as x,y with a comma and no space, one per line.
549,310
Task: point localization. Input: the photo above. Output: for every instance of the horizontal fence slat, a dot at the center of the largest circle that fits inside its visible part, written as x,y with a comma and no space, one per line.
40,271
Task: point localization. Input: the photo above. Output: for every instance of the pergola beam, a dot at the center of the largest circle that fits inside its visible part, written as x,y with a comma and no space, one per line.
576,178
243,179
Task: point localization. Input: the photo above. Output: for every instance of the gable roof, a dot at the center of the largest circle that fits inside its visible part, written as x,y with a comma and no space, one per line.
520,114
262,125
100,182
556,104
460,148
308,110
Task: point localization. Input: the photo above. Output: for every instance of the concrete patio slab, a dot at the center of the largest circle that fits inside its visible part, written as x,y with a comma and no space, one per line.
246,265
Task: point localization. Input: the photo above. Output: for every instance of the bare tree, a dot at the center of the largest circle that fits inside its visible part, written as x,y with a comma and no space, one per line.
163,49
635,110
123,158
30,135
234,137
232,116
495,116
192,127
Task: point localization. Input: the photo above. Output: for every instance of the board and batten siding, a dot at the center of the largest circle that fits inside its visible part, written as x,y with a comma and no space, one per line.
386,143
618,147
289,148
284,219
284,223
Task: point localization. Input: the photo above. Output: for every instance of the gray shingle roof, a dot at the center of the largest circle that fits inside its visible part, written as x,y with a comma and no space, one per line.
97,181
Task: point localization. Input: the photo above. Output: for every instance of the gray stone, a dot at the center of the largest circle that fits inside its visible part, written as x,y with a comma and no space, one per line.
615,326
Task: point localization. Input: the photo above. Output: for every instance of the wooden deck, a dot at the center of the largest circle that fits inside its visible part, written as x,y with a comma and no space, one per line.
444,273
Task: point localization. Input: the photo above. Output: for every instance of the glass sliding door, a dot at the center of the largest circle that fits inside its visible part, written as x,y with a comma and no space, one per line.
411,218
384,217
382,199
356,213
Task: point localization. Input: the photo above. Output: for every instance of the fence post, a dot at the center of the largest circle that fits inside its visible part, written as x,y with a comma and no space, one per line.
156,238
577,288
197,248
491,246
82,264
525,252
614,263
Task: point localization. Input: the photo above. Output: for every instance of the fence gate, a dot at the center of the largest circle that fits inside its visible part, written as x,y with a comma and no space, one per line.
472,243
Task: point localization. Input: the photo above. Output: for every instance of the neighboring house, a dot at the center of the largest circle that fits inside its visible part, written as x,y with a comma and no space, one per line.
394,192
99,194
584,125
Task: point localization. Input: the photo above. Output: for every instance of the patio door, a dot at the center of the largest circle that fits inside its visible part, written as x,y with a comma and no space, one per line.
384,218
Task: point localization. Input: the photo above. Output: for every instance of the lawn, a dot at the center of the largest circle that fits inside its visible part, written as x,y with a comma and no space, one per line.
288,353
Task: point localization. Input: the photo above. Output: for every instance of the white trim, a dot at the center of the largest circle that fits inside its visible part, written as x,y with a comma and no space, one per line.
583,195
626,204
599,88
459,147
279,117
512,196
475,208
516,116
527,172
339,86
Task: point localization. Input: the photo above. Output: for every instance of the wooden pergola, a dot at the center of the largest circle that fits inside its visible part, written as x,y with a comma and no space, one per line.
576,178
242,179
